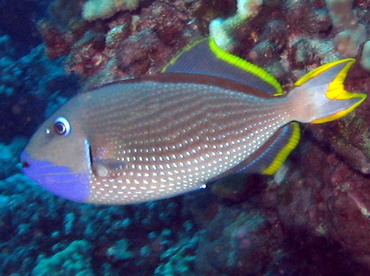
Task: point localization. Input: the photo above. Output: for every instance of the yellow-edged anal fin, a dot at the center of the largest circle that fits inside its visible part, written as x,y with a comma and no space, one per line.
285,151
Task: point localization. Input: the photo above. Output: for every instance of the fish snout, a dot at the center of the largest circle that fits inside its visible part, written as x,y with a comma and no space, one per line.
22,166
25,164
57,179
24,161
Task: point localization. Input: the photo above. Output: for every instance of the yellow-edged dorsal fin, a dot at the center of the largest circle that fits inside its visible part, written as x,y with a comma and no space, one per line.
206,58
246,66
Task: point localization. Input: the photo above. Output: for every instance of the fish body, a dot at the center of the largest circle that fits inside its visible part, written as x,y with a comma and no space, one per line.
167,134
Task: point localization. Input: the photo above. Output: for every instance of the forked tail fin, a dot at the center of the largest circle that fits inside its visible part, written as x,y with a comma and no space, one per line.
322,94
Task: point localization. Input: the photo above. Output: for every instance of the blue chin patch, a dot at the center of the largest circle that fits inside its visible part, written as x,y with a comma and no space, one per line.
57,179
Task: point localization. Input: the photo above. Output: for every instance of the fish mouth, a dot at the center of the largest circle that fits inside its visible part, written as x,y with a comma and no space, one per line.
25,164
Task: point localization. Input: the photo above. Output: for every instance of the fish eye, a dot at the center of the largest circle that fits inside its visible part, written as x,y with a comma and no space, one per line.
62,126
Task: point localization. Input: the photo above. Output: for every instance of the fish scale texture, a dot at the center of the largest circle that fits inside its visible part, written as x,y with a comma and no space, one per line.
174,138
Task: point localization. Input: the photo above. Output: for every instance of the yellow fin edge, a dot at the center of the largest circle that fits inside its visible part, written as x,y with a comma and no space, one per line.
285,151
343,112
336,90
185,49
233,60
341,76
245,65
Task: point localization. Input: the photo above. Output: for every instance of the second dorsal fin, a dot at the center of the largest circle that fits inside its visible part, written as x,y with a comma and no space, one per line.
206,58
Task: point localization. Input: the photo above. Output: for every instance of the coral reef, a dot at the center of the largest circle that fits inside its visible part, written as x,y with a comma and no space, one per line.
179,259
18,20
123,46
45,233
9,156
351,34
311,218
31,88
222,29
242,234
73,260
100,9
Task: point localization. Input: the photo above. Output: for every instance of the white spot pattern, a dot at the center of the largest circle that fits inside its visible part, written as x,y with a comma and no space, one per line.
172,138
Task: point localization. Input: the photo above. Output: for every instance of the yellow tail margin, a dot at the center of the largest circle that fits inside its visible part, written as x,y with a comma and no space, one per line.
338,102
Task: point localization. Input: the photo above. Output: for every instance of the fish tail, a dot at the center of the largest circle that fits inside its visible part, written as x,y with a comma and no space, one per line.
320,95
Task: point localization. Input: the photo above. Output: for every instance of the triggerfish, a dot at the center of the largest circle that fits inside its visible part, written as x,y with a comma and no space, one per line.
208,115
